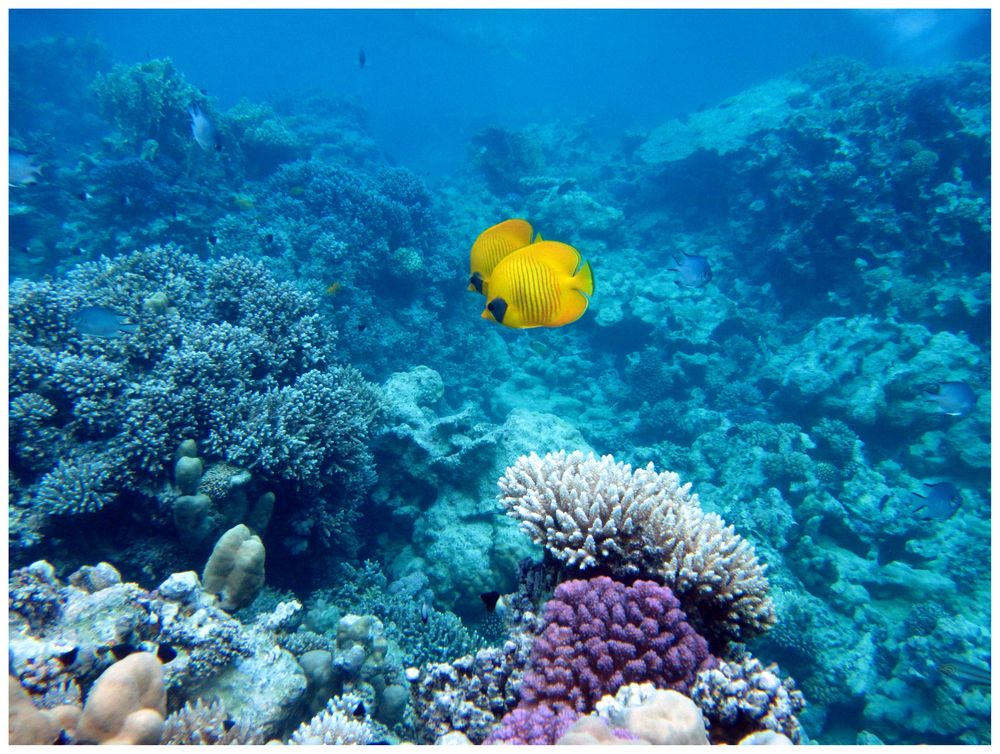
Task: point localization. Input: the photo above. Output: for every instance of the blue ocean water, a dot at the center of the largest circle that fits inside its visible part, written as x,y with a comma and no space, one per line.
240,332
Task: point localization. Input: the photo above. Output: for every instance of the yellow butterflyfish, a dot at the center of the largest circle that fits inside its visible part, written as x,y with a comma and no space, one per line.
546,284
492,245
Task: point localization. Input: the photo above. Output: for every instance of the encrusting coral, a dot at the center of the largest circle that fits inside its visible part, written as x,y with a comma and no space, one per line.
588,512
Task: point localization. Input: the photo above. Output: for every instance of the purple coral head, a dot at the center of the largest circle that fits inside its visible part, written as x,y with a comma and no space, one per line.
539,726
604,634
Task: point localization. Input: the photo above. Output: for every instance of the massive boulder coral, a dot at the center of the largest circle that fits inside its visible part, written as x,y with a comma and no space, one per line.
127,704
588,513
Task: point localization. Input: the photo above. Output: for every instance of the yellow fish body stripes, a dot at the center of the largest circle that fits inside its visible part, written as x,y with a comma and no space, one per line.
541,285
492,245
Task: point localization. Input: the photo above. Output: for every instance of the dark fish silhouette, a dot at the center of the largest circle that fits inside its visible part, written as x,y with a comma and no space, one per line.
359,711
490,599
121,651
361,59
940,502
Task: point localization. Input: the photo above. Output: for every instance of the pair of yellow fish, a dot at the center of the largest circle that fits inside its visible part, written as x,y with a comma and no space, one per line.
528,284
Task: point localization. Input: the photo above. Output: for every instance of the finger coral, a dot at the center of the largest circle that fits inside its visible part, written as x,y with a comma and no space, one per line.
600,635
331,726
590,512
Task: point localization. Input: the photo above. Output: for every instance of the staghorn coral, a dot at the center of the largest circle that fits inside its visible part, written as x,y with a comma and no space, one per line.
313,432
589,513
76,485
331,727
204,723
434,636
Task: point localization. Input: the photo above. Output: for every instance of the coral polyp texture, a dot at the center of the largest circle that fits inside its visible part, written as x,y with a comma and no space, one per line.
600,635
590,512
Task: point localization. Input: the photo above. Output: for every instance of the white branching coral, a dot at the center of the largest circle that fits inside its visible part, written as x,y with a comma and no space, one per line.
591,512
332,726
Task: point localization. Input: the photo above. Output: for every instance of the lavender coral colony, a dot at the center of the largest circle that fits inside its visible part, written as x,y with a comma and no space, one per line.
274,476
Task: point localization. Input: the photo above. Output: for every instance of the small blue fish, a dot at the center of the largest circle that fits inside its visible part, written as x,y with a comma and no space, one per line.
940,502
21,169
953,398
203,130
693,271
101,322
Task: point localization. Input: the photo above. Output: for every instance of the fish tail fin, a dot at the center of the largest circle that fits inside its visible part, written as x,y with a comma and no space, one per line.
583,281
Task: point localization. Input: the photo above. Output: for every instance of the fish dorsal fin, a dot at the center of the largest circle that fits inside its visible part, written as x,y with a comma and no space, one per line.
515,229
561,257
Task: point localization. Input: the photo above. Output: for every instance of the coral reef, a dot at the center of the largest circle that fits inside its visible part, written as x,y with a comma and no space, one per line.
740,698
212,657
470,694
233,347
600,635
235,569
276,284
656,716
332,726
198,723
149,100
590,512
126,704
